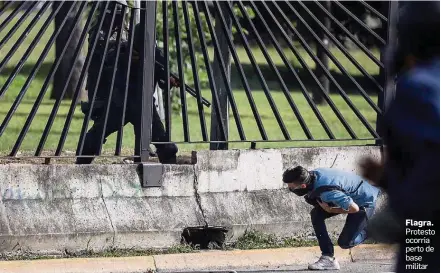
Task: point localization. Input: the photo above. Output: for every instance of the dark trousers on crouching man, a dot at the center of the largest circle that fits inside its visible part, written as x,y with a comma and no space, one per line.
353,233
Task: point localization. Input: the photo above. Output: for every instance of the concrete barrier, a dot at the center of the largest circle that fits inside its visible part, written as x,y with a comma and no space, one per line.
54,208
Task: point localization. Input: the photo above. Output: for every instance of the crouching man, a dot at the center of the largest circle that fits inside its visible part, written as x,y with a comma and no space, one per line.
334,192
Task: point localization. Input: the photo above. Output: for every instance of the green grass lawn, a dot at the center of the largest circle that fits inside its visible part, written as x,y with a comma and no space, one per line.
273,131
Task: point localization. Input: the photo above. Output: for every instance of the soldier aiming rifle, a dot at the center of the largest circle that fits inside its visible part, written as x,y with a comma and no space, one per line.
166,152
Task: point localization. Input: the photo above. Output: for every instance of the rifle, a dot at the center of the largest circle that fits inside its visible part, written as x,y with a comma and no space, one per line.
190,90
85,106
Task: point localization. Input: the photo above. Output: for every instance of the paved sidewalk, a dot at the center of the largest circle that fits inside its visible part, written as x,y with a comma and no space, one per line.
206,261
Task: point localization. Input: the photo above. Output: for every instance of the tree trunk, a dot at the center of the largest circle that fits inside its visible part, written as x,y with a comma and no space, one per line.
64,67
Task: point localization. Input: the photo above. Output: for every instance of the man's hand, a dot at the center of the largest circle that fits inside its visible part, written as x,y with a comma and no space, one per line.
174,82
324,206
353,208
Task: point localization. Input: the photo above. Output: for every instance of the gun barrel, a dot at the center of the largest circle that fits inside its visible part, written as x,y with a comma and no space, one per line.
190,90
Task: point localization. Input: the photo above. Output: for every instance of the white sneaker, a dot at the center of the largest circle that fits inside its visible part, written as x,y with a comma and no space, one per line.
325,263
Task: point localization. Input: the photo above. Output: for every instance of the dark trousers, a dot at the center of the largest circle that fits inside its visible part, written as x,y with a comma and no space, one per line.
353,233
166,152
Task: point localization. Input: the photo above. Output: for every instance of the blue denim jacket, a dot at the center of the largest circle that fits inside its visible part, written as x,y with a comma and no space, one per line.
358,190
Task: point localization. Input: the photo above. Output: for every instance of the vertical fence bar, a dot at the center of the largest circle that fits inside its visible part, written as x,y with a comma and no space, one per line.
387,74
343,94
129,53
87,118
221,88
211,80
360,22
197,87
374,11
321,55
93,42
259,74
112,85
239,68
224,72
289,65
276,71
167,97
302,61
58,101
181,70
147,58
346,53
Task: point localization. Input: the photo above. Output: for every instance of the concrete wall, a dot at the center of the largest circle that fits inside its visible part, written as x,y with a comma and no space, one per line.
53,208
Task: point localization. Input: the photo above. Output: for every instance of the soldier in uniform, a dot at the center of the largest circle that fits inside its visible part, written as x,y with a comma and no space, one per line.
166,152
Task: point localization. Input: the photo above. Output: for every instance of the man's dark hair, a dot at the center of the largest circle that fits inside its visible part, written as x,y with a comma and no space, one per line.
295,174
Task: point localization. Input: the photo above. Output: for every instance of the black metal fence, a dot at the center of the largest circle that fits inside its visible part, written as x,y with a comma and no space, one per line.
297,72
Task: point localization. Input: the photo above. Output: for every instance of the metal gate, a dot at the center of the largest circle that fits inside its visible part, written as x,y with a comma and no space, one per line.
259,73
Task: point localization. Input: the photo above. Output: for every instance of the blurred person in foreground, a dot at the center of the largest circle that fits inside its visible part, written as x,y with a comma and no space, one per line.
409,171
333,192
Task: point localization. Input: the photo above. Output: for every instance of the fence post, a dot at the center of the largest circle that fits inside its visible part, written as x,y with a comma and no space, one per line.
387,74
151,173
215,134
137,5
321,55
147,58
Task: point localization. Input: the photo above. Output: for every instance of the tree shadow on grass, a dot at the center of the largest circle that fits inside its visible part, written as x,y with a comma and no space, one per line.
270,77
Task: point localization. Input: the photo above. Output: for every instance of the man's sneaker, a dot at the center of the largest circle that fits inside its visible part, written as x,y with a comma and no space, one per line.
325,263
